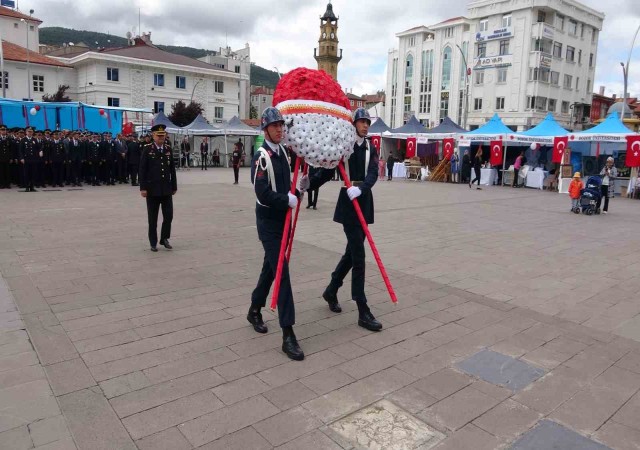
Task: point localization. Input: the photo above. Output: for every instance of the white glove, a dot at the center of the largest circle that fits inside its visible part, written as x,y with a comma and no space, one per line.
40,154
293,200
305,183
354,192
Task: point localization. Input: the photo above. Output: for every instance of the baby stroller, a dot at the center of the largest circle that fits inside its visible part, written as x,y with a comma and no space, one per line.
590,196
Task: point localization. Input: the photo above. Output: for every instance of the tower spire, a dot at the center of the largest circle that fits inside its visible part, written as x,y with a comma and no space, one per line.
327,52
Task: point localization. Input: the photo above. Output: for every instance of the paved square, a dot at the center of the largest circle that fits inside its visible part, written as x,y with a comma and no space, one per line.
548,435
502,370
383,426
104,344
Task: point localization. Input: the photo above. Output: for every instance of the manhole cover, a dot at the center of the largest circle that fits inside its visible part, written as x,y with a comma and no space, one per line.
548,435
500,369
384,426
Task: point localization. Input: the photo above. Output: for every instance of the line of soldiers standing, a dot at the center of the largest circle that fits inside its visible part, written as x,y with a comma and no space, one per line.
30,158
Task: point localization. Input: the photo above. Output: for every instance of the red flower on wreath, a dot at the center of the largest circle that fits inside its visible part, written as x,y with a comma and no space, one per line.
309,84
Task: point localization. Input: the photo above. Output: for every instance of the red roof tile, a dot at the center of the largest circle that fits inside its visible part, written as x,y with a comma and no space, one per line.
8,12
13,52
251,122
453,19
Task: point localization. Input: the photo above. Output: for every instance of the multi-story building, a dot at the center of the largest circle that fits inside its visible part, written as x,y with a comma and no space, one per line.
261,98
27,73
144,76
355,101
527,58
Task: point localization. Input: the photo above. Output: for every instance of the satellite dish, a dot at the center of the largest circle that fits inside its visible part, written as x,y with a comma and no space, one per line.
129,34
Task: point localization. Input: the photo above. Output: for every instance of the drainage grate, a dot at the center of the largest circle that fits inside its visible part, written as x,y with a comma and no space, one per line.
548,435
500,369
384,426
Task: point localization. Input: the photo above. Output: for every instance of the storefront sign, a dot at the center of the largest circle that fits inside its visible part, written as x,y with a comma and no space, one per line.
547,31
501,33
492,61
545,61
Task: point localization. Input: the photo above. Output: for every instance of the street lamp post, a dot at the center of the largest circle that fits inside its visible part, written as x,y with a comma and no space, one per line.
193,91
2,78
467,72
625,71
26,23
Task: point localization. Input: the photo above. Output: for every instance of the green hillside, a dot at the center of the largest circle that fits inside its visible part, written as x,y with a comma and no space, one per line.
59,35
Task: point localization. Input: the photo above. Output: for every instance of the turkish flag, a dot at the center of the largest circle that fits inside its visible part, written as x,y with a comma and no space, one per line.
447,148
375,141
633,151
559,148
411,147
496,153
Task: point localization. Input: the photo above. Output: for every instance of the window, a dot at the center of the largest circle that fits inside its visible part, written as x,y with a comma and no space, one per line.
588,86
113,101
444,105
351,102
571,53
412,41
393,113
582,30
426,81
542,16
568,81
557,50
181,82
477,104
502,75
594,36
573,27
408,75
479,77
577,83
237,69
407,104
531,102
565,107
158,106
425,103
31,28
552,105
38,83
484,25
218,87
448,32
218,112
113,74
541,103
542,45
504,47
394,78
6,80
158,79
590,59
446,71
506,21
539,74
559,22
555,78
15,25
482,50
499,103
579,56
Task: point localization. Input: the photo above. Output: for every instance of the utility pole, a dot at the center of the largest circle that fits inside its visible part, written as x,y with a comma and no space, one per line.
467,72
2,77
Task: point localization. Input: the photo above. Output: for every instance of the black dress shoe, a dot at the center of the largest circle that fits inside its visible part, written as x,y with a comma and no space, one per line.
154,248
166,244
332,300
309,206
291,348
366,320
254,316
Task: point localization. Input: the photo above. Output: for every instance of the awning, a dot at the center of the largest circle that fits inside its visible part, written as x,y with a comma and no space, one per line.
446,129
610,130
161,119
412,128
235,127
493,130
200,127
543,133
378,127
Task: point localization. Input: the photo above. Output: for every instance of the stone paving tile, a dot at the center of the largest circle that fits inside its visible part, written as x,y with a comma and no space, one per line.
443,383
69,376
25,403
327,380
412,399
287,425
629,413
315,440
290,395
20,375
291,371
550,435
618,436
16,439
247,438
470,437
507,420
48,430
169,439
227,420
124,384
550,391
240,389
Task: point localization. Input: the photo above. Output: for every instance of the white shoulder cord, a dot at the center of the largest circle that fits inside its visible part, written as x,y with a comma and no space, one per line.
264,160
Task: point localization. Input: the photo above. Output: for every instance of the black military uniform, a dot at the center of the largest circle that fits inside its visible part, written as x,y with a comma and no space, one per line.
76,157
57,159
109,155
364,178
158,180
29,158
272,204
204,154
17,169
236,156
94,156
133,158
121,161
5,158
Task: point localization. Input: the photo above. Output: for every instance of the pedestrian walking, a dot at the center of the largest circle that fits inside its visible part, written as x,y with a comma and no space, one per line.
575,189
477,165
236,158
312,195
516,170
608,174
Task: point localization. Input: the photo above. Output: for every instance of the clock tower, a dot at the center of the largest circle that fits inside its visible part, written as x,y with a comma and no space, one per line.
327,52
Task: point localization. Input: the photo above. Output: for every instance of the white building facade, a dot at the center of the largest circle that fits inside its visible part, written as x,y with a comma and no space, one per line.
527,58
143,76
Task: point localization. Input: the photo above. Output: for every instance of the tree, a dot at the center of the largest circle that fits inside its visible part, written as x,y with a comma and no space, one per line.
183,114
253,112
59,96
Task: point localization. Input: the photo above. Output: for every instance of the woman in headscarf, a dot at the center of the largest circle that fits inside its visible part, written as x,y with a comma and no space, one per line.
455,168
466,167
608,174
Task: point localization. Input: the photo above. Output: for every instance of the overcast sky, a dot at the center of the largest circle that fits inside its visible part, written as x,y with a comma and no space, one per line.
283,33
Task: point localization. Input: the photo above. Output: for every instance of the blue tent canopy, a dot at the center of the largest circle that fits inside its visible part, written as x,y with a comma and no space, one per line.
447,127
67,115
412,127
378,127
548,127
611,125
493,129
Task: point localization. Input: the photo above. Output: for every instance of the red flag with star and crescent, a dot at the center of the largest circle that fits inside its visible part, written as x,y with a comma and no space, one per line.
411,147
633,151
496,153
375,141
559,148
447,148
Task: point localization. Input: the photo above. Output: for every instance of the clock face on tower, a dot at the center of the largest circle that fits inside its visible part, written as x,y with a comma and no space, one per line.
333,35
324,35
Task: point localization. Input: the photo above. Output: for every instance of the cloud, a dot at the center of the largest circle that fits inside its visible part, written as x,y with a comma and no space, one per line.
284,33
